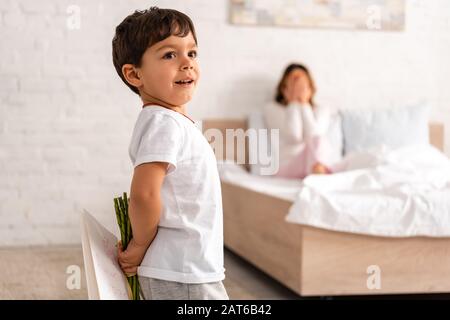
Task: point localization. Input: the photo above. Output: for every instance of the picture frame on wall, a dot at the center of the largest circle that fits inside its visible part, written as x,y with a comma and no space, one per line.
377,15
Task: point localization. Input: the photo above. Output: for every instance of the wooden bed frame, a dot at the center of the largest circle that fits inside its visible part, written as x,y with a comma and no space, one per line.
318,262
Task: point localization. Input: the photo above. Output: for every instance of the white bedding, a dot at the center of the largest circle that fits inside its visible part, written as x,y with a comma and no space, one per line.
395,193
398,193
285,189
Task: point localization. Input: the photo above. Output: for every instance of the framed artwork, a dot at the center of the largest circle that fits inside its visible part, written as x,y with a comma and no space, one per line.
375,15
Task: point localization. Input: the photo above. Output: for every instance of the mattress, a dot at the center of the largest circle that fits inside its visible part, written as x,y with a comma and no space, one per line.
286,189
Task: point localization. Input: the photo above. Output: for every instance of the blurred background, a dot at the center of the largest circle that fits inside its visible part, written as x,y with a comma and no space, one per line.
66,118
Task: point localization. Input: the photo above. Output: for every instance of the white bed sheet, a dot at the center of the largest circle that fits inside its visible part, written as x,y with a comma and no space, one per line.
392,193
401,192
286,189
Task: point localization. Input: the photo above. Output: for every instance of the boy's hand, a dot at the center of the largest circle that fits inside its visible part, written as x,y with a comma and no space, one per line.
131,258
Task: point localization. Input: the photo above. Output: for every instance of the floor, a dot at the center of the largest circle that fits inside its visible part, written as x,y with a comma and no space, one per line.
41,273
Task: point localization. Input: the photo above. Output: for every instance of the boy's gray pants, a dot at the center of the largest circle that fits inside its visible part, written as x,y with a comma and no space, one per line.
156,289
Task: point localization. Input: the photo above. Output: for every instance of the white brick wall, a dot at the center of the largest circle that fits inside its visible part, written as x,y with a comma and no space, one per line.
66,118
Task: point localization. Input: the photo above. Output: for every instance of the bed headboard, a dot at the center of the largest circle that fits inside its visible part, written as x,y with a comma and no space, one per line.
436,131
222,125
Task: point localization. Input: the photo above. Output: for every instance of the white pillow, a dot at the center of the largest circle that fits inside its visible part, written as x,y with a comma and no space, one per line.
335,137
394,128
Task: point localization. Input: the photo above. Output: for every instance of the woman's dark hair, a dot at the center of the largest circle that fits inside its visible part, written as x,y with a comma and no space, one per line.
142,29
279,97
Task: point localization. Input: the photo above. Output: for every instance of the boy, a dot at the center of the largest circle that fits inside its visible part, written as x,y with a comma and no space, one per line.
175,204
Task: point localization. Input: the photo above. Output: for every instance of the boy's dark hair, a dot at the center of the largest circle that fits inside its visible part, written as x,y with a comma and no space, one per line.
141,30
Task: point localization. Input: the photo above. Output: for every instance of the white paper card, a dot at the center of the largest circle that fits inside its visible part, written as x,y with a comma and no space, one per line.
105,280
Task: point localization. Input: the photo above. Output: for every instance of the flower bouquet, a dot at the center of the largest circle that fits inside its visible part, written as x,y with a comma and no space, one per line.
121,207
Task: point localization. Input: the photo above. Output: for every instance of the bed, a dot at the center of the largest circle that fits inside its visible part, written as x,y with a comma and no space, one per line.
319,262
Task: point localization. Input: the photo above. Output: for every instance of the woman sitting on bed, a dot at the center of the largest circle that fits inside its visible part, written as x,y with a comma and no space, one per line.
304,148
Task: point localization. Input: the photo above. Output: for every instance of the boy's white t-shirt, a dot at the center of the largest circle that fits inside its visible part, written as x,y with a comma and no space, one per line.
188,247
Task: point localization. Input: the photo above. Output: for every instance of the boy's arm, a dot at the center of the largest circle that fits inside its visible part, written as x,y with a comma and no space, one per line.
145,201
144,211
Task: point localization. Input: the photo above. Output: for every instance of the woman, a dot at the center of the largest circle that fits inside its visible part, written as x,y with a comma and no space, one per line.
303,145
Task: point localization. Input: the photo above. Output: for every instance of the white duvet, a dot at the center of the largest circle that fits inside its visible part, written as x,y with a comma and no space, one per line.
397,193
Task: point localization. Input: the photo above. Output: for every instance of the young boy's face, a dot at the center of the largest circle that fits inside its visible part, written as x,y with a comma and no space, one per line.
169,70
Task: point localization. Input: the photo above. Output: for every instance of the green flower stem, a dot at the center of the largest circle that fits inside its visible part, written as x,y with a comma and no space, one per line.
123,220
119,217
